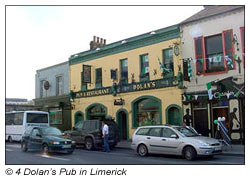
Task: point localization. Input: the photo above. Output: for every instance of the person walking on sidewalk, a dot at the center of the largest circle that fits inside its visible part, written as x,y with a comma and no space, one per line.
105,132
187,119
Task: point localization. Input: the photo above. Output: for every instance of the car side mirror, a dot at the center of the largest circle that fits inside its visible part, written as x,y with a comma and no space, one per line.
39,135
200,134
174,136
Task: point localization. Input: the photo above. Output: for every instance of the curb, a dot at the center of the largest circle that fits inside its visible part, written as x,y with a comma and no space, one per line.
232,154
223,153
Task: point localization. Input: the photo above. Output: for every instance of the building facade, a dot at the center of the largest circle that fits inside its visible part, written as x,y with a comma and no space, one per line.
213,50
136,81
52,94
18,104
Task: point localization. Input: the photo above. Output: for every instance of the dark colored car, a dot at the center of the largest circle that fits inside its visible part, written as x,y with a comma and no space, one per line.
47,139
89,133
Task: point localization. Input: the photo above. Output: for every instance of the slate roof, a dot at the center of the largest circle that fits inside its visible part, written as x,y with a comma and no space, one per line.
210,11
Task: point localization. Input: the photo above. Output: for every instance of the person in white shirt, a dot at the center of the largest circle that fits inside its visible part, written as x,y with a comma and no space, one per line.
105,132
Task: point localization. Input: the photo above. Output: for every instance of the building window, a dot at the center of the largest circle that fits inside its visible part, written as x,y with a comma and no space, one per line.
214,54
242,35
144,76
42,90
168,62
124,71
59,85
98,78
55,116
147,112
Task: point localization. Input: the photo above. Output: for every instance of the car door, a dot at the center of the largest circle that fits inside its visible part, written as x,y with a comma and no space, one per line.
76,133
35,140
170,141
154,140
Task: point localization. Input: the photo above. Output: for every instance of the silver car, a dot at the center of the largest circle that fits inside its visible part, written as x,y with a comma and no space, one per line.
174,140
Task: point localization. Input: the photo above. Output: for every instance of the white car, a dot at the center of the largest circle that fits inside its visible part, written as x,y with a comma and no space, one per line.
173,140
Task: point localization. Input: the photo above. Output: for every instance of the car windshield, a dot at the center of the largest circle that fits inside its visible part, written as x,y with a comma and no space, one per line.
186,131
51,131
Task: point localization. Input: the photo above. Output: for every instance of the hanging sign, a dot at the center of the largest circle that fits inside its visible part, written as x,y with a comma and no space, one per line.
86,74
46,85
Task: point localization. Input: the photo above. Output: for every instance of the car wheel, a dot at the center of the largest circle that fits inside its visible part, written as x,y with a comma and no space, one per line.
89,144
24,147
45,149
142,150
10,139
190,153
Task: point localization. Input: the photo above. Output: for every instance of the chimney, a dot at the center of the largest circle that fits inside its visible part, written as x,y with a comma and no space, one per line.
97,43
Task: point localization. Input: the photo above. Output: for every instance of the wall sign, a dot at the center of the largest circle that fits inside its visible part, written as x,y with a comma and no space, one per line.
119,102
140,86
176,50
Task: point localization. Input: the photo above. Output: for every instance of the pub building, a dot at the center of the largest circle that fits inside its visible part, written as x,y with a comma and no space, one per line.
136,81
213,46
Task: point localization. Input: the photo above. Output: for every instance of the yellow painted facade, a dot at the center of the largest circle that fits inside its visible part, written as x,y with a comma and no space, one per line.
168,95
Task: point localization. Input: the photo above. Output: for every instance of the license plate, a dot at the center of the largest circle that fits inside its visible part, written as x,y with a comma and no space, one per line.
66,146
217,149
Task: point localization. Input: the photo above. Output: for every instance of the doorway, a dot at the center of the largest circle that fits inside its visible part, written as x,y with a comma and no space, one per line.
78,117
201,121
174,115
122,124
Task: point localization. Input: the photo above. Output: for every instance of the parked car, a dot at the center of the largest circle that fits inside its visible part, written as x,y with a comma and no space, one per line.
89,133
47,139
173,140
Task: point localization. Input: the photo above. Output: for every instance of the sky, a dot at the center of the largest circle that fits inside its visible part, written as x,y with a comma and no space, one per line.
42,36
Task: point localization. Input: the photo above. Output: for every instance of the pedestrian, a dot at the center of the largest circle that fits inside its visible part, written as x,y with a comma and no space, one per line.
187,119
105,132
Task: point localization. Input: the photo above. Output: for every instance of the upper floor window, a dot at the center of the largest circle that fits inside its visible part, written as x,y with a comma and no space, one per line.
214,54
168,62
242,35
144,76
124,71
98,78
59,85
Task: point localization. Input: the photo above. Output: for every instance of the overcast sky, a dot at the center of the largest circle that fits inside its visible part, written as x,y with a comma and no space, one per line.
41,36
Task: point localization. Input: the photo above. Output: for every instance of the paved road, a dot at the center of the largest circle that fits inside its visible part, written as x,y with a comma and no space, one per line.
14,155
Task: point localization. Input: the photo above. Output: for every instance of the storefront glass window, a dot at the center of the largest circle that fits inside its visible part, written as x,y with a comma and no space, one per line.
148,112
220,103
199,104
55,117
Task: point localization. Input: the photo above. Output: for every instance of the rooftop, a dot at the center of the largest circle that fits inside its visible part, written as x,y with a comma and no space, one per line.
210,11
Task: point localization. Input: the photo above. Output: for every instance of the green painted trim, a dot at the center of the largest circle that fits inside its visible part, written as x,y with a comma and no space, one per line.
131,43
95,104
78,112
116,115
134,112
176,106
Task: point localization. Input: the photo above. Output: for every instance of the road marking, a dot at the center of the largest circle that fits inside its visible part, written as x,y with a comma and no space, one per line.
14,146
52,157
9,150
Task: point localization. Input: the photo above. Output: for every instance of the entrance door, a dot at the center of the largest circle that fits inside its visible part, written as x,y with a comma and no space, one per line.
78,117
122,123
201,121
174,117
220,112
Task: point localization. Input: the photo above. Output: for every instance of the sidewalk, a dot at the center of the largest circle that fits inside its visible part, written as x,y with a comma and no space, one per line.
235,150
